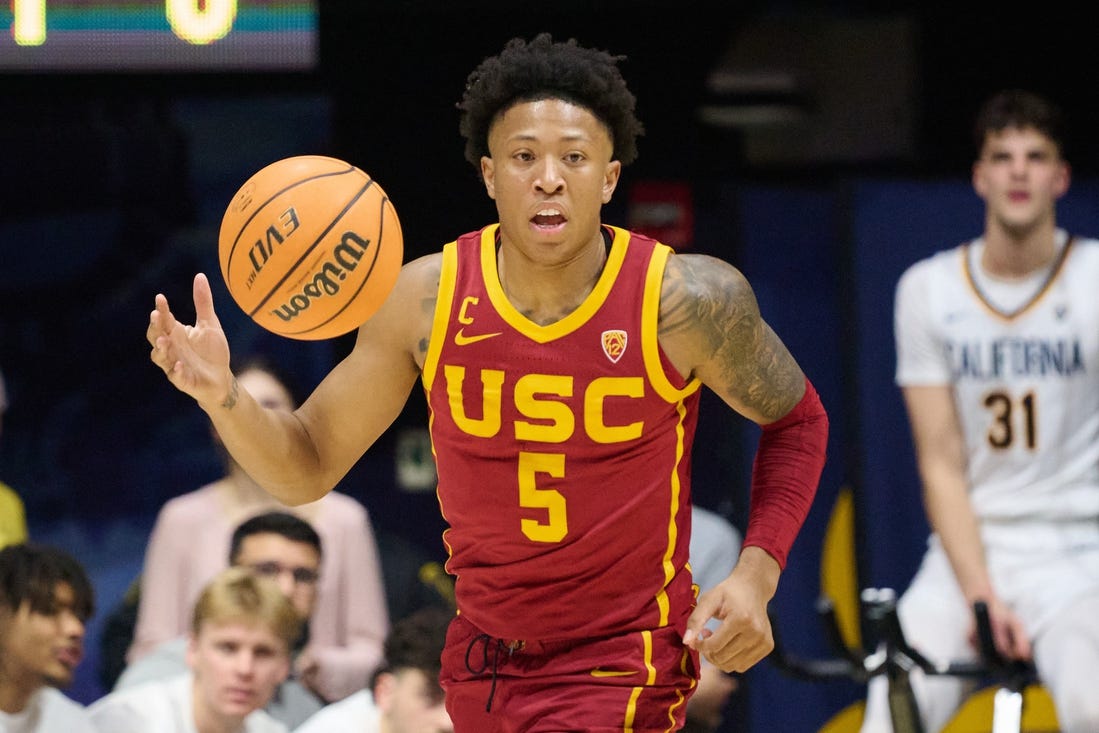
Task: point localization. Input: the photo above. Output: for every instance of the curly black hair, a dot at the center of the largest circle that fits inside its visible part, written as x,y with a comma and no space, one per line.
543,69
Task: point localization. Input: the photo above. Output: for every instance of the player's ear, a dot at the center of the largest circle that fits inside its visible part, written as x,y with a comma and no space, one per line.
610,179
1064,179
978,179
488,175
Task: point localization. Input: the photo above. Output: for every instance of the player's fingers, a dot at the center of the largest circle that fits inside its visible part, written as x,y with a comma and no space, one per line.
1002,638
696,622
742,653
751,640
1020,642
154,330
204,301
163,316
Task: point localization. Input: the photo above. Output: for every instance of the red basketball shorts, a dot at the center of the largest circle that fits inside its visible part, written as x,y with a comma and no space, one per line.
638,682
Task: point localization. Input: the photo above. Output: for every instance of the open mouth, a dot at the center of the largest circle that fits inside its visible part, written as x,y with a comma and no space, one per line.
548,218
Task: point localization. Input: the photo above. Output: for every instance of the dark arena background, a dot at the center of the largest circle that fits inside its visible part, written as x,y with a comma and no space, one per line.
820,148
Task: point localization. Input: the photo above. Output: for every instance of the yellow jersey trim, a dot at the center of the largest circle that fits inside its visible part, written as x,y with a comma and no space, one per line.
448,276
571,322
650,331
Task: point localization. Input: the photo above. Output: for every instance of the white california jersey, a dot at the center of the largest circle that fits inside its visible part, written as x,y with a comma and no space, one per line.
1026,381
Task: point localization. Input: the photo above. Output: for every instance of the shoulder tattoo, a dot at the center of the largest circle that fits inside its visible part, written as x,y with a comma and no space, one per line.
427,310
710,305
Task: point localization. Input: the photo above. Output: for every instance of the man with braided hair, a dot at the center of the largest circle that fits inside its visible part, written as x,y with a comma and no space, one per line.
562,360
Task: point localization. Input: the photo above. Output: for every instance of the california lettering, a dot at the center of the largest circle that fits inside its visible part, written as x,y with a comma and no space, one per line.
326,282
1014,357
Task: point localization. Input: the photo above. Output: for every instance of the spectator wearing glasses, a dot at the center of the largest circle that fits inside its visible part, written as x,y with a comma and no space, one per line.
284,548
191,539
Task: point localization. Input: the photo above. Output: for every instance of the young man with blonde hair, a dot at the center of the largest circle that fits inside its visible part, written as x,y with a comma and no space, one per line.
239,652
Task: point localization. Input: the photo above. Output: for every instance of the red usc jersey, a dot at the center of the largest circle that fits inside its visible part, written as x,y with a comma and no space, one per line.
563,451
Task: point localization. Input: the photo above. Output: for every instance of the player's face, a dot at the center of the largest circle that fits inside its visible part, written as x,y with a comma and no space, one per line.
550,173
42,647
411,703
295,566
1020,175
237,666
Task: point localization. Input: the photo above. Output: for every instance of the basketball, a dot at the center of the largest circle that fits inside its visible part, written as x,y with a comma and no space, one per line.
310,247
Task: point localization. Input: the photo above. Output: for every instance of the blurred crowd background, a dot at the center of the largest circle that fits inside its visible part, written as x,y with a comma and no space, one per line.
819,149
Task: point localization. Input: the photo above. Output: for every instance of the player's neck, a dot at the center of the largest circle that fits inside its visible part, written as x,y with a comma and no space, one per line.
547,292
1015,253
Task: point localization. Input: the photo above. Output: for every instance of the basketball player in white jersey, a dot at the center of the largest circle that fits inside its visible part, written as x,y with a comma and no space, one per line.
998,361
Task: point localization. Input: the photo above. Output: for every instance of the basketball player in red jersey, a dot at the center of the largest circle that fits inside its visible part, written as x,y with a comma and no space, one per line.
562,361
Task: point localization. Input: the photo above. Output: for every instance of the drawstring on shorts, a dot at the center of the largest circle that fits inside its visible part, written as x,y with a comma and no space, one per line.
497,646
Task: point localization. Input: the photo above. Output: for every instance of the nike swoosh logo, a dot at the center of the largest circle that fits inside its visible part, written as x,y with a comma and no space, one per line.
611,673
460,339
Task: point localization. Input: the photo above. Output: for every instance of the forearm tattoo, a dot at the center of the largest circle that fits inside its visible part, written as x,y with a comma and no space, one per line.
233,396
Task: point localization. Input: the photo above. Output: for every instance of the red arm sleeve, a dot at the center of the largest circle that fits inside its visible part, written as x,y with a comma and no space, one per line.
785,473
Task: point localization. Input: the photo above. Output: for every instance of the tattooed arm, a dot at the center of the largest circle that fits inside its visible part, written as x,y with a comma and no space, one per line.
710,327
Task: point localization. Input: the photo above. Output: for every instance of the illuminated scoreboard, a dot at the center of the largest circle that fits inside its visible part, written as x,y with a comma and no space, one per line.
158,35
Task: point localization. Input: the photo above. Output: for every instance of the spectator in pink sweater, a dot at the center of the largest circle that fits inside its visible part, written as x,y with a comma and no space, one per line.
190,543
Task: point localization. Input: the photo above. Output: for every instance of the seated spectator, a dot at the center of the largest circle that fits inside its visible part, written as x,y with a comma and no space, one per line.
405,694
238,653
13,519
285,548
45,599
190,542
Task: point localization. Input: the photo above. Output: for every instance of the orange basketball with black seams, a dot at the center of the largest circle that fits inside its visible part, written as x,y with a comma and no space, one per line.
310,247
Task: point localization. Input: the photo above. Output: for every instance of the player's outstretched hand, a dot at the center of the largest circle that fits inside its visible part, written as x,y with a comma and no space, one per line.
740,603
1008,631
195,358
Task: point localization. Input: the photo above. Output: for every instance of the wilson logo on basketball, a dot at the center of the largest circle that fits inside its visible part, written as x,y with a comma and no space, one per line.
326,282
614,344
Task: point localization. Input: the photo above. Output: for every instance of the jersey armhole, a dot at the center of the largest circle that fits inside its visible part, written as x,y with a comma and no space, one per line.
656,365
448,275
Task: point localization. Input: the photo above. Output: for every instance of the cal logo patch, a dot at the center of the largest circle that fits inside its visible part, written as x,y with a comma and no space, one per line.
614,344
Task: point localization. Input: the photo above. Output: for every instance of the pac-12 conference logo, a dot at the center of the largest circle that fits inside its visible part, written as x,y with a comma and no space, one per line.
614,344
